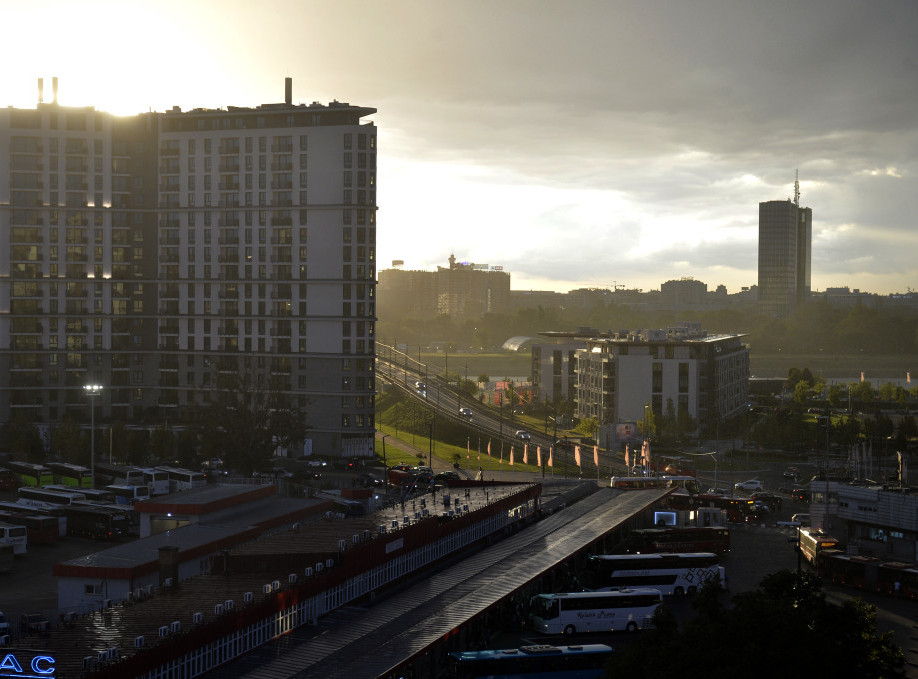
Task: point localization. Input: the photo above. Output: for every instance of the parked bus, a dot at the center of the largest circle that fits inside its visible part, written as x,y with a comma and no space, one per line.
40,530
7,479
610,611
906,574
57,513
687,539
849,570
737,509
16,536
157,480
92,494
670,573
586,661
184,479
68,474
96,522
29,474
814,540
45,499
107,474
128,495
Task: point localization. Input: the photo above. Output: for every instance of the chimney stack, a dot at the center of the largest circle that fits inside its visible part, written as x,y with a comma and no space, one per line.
54,88
288,91
41,90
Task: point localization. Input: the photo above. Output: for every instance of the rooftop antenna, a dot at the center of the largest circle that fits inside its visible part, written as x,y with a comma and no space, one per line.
797,188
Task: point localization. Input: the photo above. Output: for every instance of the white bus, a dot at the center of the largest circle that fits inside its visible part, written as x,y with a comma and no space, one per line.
45,498
15,536
128,495
669,573
625,609
184,479
157,480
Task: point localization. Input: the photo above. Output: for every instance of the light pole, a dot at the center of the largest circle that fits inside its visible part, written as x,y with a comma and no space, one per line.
92,390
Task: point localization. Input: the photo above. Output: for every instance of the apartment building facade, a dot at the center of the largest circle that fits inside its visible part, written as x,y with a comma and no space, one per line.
164,254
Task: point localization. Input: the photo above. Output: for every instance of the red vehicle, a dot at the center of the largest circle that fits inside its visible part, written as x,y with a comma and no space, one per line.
679,540
848,569
906,574
41,530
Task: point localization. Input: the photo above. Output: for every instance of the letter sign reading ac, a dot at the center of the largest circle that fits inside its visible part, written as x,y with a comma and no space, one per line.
41,665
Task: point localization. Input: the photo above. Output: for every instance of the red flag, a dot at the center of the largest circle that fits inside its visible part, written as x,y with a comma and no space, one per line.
539,455
577,455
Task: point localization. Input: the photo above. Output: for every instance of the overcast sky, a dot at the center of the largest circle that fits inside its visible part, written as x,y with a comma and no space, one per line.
574,143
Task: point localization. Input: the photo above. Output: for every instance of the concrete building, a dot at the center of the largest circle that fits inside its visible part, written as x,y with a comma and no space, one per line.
785,252
554,370
682,367
162,254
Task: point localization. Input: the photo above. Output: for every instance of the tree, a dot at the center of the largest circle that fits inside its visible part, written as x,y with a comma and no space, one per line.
21,437
783,628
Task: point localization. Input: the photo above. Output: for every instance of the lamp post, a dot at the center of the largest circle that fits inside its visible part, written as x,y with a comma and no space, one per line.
92,390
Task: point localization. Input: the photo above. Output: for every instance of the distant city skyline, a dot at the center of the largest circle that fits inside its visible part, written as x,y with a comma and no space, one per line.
634,150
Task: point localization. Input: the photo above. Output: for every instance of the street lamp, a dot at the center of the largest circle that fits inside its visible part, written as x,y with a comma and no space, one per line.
92,390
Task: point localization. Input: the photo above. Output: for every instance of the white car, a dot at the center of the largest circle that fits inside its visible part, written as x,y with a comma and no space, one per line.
523,435
751,484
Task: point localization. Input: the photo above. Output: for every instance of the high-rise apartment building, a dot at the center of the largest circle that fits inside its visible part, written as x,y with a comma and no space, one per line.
159,253
785,250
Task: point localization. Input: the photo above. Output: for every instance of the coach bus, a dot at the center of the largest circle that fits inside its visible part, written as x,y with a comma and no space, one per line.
670,573
46,499
184,479
16,536
813,541
850,570
687,539
57,513
128,495
96,522
92,494
608,611
157,480
7,479
67,474
117,474
40,530
586,661
29,474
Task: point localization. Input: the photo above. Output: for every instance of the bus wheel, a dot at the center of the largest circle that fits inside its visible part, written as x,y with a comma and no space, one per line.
631,627
679,591
569,630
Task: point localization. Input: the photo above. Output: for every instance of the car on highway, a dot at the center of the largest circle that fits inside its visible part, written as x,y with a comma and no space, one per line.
751,484
523,435
420,386
465,412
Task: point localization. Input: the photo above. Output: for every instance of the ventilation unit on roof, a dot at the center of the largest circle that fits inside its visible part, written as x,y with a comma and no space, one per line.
140,642
319,567
275,585
355,539
163,631
88,662
218,609
341,545
197,618
308,571
248,597
176,626
229,605
329,563
113,653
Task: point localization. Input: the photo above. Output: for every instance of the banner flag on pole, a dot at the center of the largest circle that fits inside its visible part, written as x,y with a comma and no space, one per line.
596,455
551,449
577,455
525,453
489,447
511,456
539,455
627,461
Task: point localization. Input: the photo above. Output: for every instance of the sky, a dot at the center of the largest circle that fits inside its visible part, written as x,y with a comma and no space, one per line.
574,143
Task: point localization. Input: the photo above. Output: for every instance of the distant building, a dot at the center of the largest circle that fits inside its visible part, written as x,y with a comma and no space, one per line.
685,294
461,290
554,374
785,252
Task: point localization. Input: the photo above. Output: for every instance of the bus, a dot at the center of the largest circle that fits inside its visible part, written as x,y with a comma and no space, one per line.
29,474
638,482
68,474
585,661
16,536
96,522
609,611
850,570
45,499
92,494
157,480
184,479
57,513
814,540
7,479
906,574
107,474
40,530
669,573
737,509
687,539
128,495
